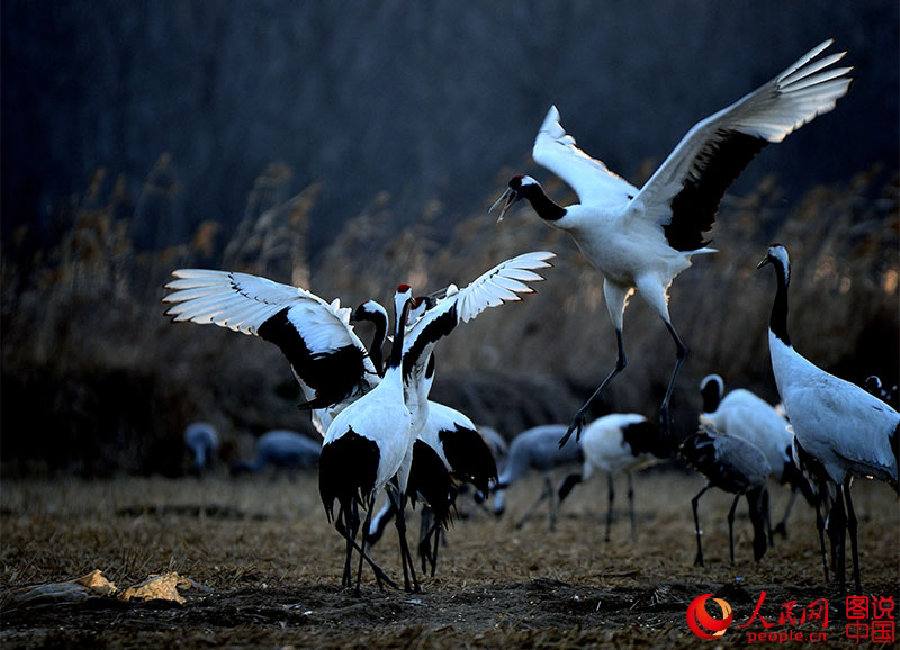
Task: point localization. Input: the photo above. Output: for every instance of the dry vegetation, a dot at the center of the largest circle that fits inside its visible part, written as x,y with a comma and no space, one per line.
96,380
266,567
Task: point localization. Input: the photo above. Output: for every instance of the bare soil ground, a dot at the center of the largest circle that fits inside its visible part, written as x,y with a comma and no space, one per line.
266,567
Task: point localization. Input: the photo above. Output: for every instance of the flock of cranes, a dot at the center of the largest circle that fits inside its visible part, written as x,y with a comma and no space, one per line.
381,431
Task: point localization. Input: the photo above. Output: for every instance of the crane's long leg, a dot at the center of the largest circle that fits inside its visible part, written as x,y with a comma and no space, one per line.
611,494
731,527
851,528
437,543
698,559
577,423
428,528
544,494
551,503
349,533
347,525
365,534
430,541
680,354
342,525
820,527
400,523
837,531
631,504
781,526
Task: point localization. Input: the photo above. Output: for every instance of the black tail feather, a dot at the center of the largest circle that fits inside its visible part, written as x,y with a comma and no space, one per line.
350,456
429,478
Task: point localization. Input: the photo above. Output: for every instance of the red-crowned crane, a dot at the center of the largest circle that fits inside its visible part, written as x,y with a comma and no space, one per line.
449,433
736,466
366,443
615,444
741,413
327,358
642,239
847,431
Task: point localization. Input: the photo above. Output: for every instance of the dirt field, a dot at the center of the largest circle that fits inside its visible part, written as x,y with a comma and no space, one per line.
265,568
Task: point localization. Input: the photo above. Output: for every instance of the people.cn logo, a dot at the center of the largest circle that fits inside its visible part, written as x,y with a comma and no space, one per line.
704,625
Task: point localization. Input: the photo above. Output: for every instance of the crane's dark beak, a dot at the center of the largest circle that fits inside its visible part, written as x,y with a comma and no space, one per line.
762,262
510,196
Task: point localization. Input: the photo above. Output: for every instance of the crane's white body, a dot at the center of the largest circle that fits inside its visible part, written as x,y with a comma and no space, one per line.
839,423
841,430
605,448
629,253
380,415
746,416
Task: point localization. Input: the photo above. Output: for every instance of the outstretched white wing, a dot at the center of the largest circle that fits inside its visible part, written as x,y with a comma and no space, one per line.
242,302
505,282
316,337
693,179
591,179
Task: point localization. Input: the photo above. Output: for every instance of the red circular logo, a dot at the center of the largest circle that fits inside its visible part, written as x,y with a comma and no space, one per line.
704,625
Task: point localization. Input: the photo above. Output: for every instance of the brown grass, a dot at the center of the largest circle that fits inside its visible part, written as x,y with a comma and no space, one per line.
95,373
268,566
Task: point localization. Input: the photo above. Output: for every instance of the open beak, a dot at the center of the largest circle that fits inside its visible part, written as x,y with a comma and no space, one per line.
509,196
762,263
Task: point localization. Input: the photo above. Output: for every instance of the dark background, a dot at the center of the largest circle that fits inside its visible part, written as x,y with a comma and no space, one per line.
423,100
346,147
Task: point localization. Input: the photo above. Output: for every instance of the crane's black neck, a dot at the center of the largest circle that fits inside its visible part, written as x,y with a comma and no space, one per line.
379,320
712,397
375,352
778,322
543,204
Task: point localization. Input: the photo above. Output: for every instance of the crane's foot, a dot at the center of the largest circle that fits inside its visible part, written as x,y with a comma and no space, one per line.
576,427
